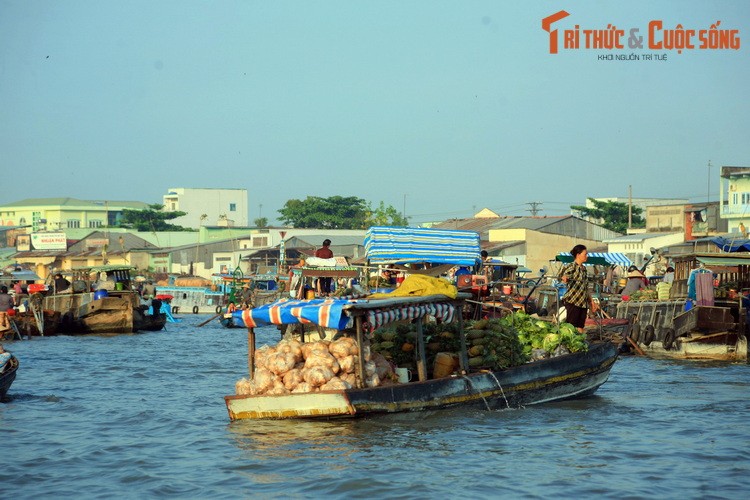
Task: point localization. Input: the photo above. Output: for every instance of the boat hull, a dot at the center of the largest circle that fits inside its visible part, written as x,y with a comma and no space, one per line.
8,376
564,377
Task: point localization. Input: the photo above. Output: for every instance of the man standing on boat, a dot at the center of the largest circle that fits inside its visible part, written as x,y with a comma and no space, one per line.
149,291
577,299
325,252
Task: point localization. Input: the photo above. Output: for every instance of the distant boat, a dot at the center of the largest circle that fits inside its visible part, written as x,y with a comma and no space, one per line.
113,308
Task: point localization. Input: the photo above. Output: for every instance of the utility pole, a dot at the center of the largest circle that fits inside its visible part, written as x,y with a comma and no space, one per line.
708,195
630,206
534,207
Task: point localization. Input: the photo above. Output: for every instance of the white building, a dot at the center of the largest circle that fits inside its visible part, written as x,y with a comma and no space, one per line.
637,248
207,206
734,198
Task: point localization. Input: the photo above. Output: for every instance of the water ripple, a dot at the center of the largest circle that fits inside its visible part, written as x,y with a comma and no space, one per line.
143,416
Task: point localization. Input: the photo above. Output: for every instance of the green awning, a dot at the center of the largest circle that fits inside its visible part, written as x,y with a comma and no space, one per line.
724,261
591,261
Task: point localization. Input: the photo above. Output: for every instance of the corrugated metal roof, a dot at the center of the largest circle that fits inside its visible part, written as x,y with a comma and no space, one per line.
566,225
636,237
64,202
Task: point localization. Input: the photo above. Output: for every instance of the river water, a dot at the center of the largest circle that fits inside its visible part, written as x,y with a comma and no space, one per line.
143,416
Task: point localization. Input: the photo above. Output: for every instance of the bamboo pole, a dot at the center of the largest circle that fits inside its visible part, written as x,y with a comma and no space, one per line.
251,352
463,358
421,359
360,358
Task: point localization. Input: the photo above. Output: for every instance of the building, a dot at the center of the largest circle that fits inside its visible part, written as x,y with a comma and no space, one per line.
59,214
734,197
206,206
694,220
638,248
532,241
44,252
642,203
260,247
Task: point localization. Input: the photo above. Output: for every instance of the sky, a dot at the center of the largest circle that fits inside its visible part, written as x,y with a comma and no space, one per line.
438,108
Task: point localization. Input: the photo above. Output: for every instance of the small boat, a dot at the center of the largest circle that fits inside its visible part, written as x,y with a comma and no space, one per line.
568,376
8,376
194,299
261,289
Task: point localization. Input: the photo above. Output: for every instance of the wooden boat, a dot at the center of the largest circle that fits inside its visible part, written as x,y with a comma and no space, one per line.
8,376
264,289
28,325
564,377
114,310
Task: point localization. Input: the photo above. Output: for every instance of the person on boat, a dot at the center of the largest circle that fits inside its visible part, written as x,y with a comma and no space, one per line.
324,252
634,283
61,283
577,300
155,306
643,276
246,296
231,307
7,304
149,290
4,358
669,275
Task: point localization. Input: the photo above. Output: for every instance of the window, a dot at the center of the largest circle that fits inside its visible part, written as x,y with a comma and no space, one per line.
95,223
734,198
260,241
74,223
232,207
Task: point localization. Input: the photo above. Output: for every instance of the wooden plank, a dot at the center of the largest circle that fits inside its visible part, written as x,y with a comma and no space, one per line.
421,358
251,352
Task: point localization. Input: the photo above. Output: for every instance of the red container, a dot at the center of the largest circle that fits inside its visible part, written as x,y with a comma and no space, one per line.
34,288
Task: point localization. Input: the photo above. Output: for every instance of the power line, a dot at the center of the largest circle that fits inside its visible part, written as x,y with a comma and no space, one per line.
534,207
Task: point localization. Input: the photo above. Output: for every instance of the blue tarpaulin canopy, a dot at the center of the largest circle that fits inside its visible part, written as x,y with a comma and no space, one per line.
599,258
403,245
731,244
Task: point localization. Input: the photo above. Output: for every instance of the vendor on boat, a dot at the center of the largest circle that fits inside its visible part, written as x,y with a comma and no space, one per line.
324,283
634,283
577,299
61,284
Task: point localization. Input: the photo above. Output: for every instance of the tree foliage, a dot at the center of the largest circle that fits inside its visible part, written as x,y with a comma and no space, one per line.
151,219
613,214
261,222
337,212
385,216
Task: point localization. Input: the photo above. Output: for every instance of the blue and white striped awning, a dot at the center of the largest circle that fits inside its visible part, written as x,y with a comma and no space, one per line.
402,245
615,258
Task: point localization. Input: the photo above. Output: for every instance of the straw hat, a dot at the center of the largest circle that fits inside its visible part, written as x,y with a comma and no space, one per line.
635,274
